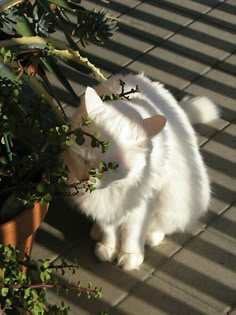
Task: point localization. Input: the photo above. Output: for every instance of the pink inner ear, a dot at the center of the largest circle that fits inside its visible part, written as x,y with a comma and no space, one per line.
153,125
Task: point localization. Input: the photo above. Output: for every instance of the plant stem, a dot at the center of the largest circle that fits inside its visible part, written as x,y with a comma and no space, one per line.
51,286
9,153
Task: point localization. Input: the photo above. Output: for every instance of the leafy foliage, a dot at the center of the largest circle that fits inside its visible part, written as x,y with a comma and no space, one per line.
122,94
31,139
34,21
43,17
8,21
18,291
33,131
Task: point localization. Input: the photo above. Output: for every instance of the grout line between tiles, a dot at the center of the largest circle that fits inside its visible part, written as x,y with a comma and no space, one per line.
165,39
151,274
216,133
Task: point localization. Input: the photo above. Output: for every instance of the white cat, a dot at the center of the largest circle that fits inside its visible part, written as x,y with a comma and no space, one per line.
161,184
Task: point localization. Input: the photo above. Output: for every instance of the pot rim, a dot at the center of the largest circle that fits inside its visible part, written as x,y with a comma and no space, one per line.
23,224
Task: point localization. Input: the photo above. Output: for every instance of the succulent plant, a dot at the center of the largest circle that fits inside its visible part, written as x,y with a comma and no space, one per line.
94,27
44,17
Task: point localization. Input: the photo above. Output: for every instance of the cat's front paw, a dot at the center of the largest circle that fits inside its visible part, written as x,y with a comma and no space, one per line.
105,253
155,238
130,261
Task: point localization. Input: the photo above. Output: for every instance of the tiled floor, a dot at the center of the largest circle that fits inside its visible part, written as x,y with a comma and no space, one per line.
190,46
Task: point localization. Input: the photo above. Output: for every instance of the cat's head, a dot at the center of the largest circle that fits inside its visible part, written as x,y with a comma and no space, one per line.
128,133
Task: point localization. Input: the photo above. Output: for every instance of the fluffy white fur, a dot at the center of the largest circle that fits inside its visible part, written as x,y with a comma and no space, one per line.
199,109
161,184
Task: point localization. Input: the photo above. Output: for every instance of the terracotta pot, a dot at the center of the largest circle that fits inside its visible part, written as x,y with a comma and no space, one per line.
20,230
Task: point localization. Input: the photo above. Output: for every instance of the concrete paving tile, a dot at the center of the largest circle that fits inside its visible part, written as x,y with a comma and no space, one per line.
63,227
219,155
168,66
154,21
113,8
223,146
115,283
220,87
193,7
224,15
204,269
156,296
225,224
156,256
232,312
204,132
227,137
204,42
49,243
121,49
229,65
77,80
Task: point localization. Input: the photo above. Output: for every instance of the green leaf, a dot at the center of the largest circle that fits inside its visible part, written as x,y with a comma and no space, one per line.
66,128
3,160
87,121
105,146
80,140
94,143
27,293
52,66
92,180
100,176
47,198
4,291
23,27
102,166
97,134
82,64
6,71
8,302
79,136
41,187
92,171
75,65
46,264
69,141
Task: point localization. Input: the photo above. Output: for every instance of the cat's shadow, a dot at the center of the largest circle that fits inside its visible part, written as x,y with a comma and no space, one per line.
66,219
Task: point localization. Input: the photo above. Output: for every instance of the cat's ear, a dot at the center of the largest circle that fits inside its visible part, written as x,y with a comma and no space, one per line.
153,125
92,100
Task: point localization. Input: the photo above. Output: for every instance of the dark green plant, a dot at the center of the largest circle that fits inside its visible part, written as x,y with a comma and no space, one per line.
33,124
123,94
34,129
44,17
20,293
28,29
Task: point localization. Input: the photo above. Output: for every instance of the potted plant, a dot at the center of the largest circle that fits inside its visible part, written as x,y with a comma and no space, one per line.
28,175
33,124
20,295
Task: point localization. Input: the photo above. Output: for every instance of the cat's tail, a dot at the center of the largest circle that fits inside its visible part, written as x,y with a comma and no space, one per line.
200,109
